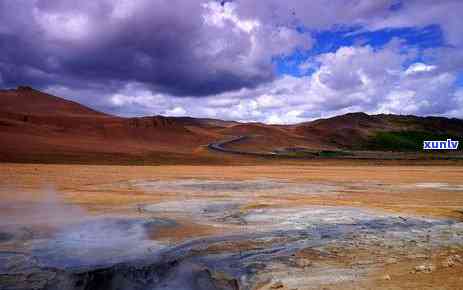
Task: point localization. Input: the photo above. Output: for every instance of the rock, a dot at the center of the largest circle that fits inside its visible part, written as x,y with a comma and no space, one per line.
417,256
277,285
386,277
303,263
458,258
425,268
391,261
448,263
452,261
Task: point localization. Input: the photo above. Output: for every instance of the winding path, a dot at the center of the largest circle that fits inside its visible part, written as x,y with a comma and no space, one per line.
219,146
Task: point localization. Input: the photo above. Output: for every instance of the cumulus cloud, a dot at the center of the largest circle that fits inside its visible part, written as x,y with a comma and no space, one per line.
421,13
217,58
350,79
372,15
419,67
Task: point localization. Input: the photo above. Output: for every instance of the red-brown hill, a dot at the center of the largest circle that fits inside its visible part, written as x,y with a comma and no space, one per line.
39,127
35,126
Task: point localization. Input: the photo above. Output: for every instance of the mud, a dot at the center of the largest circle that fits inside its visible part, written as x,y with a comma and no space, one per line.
115,251
263,247
441,186
237,187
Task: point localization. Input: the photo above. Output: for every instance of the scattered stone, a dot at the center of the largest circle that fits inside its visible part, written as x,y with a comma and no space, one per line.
364,262
458,258
386,277
391,261
417,256
277,285
303,263
448,263
425,268
452,261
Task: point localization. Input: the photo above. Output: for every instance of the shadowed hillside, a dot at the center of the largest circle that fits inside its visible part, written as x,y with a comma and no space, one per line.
359,131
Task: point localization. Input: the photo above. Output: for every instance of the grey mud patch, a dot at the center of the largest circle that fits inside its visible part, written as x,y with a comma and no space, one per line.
300,278
109,253
242,187
388,187
440,186
279,232
202,210
242,261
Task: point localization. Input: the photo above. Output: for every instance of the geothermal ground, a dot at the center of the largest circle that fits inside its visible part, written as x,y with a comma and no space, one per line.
231,227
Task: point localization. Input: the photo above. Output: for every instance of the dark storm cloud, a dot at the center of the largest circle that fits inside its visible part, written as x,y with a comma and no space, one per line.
136,57
164,44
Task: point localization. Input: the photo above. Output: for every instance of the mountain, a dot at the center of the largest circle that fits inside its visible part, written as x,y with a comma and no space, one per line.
39,127
268,138
360,131
35,126
342,131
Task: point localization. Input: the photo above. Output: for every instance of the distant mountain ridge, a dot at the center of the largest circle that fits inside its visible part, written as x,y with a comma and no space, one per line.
39,127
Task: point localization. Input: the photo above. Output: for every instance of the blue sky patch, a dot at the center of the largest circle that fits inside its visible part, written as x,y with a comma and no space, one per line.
331,40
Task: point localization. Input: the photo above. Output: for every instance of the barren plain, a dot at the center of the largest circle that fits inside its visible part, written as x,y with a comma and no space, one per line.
295,226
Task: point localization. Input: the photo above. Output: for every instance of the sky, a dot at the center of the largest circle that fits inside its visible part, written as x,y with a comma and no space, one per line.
269,61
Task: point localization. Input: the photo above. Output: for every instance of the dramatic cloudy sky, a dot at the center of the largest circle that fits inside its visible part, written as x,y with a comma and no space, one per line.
272,61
